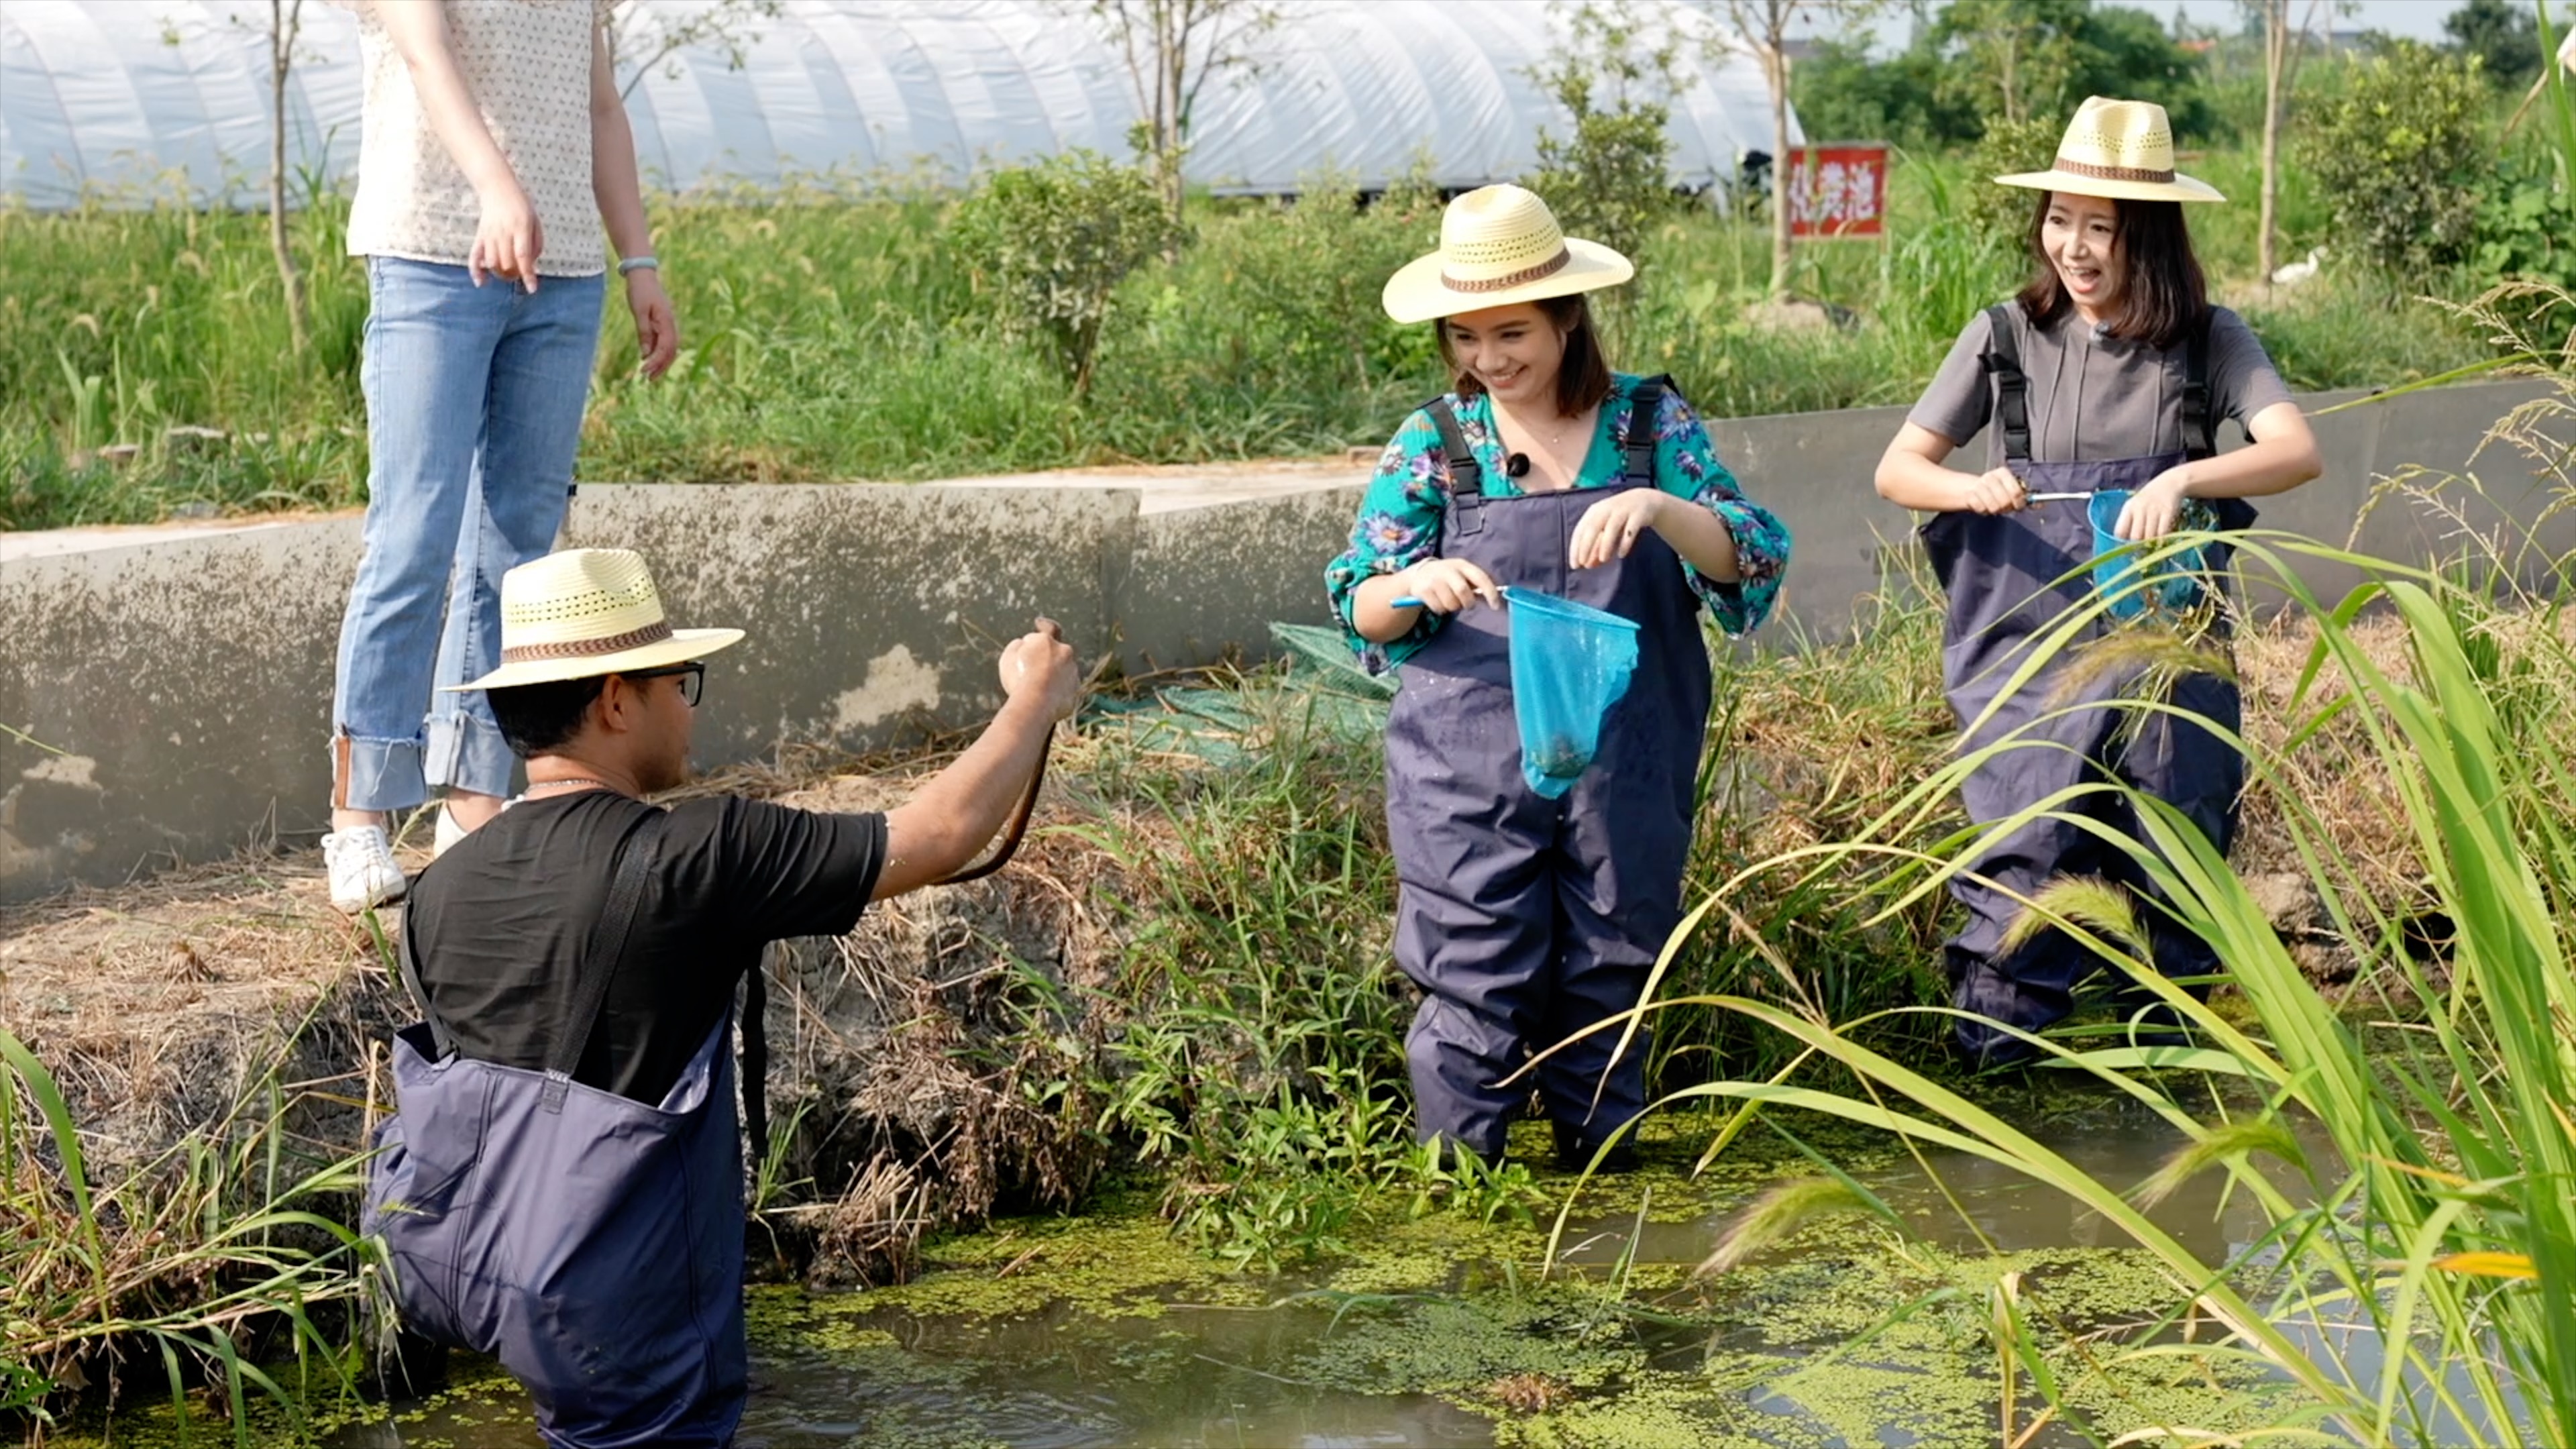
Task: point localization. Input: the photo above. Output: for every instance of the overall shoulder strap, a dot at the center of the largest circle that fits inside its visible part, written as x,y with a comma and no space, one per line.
2199,429
1466,475
1645,406
755,1057
602,953
439,1035
2012,386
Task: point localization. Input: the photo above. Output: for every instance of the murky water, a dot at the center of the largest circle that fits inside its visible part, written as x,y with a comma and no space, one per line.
1055,1335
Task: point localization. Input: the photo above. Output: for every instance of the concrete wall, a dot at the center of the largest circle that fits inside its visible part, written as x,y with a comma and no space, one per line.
187,682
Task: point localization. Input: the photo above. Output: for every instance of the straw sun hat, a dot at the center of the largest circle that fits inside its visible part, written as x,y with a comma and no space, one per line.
2117,149
588,611
1499,245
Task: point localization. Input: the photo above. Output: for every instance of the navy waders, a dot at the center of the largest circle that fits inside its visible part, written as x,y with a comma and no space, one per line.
591,1243
1525,919
2011,578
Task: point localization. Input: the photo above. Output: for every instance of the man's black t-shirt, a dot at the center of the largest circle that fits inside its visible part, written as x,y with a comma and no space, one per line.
498,923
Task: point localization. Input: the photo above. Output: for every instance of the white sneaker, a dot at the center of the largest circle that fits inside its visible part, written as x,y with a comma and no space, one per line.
363,872
447,834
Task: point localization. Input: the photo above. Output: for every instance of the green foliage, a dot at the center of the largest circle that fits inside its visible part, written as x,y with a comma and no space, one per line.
2504,35
1048,243
1842,94
2037,59
2009,147
219,1254
1255,315
2403,151
1609,178
2526,230
2439,1227
1985,62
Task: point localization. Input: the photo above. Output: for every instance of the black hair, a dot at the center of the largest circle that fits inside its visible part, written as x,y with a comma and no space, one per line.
535,718
1582,378
2162,293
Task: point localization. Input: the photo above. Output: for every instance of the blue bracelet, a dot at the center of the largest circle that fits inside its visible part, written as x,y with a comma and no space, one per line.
637,264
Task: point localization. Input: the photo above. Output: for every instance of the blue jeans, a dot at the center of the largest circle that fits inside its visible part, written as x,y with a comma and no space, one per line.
474,406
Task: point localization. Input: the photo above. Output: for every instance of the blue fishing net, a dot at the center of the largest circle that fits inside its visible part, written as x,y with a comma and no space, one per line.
2172,581
1570,663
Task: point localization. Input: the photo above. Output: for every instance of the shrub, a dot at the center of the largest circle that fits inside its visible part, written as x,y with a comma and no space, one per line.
1047,245
1609,178
2403,151
2029,144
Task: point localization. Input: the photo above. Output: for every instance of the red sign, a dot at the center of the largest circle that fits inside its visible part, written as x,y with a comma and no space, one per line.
1838,190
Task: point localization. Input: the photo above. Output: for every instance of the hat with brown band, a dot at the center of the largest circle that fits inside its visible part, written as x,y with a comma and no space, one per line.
586,612
1499,245
2122,150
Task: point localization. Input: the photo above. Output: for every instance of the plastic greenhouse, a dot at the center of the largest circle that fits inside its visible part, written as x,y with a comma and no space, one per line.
129,101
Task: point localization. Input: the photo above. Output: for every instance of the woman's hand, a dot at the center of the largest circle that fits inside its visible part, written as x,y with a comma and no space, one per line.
507,239
2152,511
1447,585
657,330
1609,528
1997,490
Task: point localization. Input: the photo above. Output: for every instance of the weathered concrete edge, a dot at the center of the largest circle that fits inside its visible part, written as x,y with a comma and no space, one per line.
186,684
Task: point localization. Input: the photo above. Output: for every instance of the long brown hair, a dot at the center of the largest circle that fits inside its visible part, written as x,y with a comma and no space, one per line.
2162,293
1582,377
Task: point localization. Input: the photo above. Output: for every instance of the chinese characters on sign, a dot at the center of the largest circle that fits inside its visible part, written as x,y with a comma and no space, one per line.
1838,190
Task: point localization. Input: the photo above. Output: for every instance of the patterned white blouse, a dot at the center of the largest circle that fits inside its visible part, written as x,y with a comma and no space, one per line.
527,64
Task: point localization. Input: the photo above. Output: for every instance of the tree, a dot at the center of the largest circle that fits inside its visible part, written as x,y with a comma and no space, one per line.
1764,24
278,29
2505,35
2282,47
285,20
1610,177
640,39
1172,48
2017,56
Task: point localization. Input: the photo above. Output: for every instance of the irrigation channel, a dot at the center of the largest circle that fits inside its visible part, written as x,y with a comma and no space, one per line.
1054,1333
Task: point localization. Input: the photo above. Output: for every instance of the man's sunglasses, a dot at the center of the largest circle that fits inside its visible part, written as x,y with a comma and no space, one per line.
692,677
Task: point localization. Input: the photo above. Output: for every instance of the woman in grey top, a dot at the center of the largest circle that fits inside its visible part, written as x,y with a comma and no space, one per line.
2108,373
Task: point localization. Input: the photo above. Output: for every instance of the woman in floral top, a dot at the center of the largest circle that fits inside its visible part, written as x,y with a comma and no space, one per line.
1528,915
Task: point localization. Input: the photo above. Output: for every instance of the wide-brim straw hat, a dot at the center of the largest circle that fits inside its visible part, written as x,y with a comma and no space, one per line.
586,612
2117,149
1499,245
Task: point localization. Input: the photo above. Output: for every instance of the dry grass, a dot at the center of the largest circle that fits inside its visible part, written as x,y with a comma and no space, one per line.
154,1003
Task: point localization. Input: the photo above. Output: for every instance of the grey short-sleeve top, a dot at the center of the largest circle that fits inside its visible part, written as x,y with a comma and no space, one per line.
2095,397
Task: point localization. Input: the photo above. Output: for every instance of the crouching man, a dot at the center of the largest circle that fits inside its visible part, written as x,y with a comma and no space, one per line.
562,1186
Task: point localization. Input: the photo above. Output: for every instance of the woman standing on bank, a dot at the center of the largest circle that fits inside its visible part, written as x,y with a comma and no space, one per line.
1525,919
495,147
2110,370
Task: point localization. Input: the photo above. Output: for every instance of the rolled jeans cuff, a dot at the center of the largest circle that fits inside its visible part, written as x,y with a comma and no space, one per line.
466,752
382,775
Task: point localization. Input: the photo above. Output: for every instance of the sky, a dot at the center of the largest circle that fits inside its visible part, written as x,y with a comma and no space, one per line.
2421,19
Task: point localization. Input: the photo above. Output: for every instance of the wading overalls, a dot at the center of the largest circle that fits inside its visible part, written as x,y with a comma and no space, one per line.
1525,919
2010,579
591,1243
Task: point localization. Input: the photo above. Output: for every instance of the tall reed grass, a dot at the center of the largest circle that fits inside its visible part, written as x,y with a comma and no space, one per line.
2432,1253
216,1262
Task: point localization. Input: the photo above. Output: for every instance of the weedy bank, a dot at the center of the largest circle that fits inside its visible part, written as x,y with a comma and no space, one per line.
146,367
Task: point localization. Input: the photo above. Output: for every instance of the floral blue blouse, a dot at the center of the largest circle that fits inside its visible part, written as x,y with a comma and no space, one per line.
1399,523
